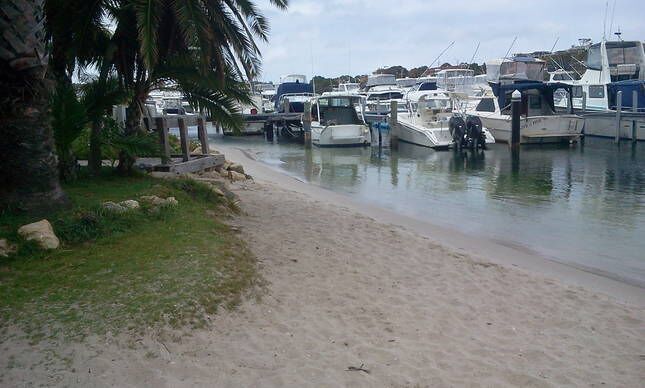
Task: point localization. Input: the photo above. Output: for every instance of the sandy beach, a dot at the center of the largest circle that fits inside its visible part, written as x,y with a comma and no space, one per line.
353,301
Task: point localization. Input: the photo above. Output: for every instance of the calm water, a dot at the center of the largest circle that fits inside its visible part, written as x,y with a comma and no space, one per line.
583,205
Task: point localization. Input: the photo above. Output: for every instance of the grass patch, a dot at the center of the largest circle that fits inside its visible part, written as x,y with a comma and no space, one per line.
125,272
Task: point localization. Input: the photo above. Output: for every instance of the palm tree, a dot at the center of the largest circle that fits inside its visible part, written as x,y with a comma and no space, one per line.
204,47
28,171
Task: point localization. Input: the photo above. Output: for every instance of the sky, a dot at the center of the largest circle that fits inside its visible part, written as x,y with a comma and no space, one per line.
335,37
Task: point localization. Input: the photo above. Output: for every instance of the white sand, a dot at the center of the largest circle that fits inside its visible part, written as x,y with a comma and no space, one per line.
345,290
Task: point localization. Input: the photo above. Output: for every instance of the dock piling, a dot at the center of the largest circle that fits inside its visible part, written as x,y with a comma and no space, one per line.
306,124
202,134
394,125
635,121
619,108
584,102
163,140
183,139
516,102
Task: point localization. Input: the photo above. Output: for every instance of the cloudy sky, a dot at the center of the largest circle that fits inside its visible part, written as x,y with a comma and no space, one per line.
336,37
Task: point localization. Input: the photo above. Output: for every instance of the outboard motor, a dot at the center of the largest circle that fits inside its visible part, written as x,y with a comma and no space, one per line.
475,133
457,127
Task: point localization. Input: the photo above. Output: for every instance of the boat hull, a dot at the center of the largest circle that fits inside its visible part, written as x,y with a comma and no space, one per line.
603,124
349,135
536,130
438,137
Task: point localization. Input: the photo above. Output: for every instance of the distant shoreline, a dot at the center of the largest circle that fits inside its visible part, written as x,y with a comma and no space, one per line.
500,252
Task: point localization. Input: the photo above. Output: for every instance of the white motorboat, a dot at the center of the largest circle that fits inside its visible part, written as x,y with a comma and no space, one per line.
336,123
540,123
426,121
612,66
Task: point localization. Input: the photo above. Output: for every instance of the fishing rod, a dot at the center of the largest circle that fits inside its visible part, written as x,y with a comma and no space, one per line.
437,58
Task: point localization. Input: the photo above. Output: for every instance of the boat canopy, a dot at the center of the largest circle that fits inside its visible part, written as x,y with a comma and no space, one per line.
291,88
628,88
503,91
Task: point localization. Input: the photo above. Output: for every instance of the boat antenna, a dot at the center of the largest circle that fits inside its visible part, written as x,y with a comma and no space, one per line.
313,76
611,21
604,23
437,58
509,48
554,43
475,53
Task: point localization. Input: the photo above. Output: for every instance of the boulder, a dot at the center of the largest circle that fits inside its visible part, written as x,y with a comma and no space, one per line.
197,150
236,167
226,165
6,248
158,201
130,204
114,207
41,232
224,173
236,176
218,192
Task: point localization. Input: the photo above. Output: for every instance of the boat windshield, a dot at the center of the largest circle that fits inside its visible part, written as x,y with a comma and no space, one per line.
437,104
385,96
618,53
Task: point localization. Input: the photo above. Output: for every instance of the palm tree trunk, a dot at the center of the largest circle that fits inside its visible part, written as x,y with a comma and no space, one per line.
28,166
95,159
132,126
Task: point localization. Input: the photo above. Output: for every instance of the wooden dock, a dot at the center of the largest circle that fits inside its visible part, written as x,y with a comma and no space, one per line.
185,162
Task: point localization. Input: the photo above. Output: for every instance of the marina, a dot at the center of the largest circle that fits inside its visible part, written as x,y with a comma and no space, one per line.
581,205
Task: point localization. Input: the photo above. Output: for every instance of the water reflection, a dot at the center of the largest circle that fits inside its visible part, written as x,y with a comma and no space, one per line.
581,204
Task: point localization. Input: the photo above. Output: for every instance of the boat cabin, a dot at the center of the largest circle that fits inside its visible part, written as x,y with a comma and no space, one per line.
516,68
336,110
537,98
296,92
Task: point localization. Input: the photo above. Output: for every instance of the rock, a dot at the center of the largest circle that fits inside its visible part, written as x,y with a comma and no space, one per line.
197,150
41,232
130,204
114,207
218,192
224,173
236,176
158,201
226,165
6,248
236,167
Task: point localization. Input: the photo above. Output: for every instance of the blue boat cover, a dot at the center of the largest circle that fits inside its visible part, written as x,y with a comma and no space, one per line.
288,88
503,91
627,87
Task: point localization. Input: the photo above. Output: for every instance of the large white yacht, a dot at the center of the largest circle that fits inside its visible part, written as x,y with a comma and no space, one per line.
337,123
540,123
612,66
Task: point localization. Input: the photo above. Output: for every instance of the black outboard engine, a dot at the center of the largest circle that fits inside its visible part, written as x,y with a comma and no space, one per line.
475,133
457,127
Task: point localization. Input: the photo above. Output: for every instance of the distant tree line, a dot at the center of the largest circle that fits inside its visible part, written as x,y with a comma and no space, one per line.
324,84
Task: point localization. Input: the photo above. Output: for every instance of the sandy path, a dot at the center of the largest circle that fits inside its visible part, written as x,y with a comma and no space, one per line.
344,290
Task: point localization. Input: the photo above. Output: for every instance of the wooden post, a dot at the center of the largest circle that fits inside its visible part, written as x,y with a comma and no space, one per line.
146,123
394,124
183,139
306,124
163,140
516,106
635,121
619,107
286,108
202,134
584,102
378,106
